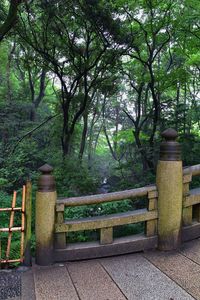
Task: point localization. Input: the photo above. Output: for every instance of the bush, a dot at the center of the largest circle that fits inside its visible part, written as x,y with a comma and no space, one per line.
74,179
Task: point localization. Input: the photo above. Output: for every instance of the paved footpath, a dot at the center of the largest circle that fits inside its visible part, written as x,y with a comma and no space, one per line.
144,276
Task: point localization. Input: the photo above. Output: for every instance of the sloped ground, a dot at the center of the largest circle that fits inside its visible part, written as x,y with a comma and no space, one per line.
144,276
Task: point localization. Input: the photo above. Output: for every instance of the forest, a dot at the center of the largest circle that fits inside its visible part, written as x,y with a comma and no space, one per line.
88,86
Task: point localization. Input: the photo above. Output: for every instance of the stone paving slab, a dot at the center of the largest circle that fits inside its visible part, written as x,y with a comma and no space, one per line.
192,250
92,282
53,283
147,276
140,280
179,268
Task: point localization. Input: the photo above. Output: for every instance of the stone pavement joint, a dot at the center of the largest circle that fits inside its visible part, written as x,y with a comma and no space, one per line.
53,283
140,280
182,270
92,282
191,250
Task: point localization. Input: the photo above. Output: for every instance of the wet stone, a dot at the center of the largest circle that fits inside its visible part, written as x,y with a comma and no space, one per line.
10,285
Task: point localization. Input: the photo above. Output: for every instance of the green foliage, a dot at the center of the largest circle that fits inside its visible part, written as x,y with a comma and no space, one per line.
194,59
73,178
100,209
190,149
125,136
102,147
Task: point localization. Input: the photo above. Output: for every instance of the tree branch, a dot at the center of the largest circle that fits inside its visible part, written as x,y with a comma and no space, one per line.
11,18
34,129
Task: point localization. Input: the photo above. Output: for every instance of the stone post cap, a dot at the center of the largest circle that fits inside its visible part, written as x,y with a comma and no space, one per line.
170,149
169,134
46,169
46,182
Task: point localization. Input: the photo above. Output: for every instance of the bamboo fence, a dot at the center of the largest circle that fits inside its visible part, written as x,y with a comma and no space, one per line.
7,260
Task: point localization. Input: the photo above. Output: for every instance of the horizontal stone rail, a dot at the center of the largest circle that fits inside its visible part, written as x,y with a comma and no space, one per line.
130,217
102,198
193,198
193,170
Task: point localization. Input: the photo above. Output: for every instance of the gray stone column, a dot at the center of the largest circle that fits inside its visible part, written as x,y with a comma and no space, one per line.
45,216
170,192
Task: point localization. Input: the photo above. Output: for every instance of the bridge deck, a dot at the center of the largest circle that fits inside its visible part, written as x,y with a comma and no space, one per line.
144,276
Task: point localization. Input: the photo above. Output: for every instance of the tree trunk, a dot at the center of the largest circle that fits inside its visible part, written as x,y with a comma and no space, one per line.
8,67
84,135
146,162
36,100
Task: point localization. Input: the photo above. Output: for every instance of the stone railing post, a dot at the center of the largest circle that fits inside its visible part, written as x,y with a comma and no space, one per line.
170,192
45,216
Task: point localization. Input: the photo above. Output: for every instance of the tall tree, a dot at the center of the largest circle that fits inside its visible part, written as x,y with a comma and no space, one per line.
73,51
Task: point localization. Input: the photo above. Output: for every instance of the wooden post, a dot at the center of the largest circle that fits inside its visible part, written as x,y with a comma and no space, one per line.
45,216
170,192
28,218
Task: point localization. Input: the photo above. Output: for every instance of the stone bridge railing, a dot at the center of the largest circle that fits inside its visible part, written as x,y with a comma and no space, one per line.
190,205
105,224
172,214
